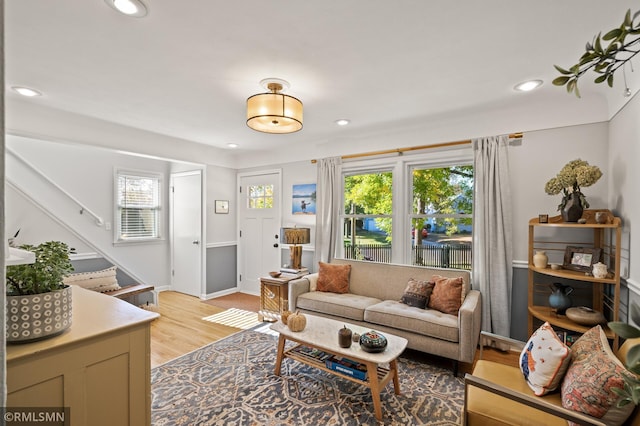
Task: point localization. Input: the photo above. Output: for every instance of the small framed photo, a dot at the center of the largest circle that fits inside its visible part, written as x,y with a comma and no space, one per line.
222,206
581,259
543,218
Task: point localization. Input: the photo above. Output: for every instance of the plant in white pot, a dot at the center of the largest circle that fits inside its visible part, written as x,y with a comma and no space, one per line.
38,302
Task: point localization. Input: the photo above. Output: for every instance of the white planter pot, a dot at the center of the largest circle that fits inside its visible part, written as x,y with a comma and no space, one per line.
38,316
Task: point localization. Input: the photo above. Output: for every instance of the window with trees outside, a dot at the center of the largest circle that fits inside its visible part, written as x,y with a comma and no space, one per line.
368,216
441,214
138,206
428,222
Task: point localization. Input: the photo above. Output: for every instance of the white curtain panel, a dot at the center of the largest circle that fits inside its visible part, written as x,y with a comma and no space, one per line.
492,232
328,199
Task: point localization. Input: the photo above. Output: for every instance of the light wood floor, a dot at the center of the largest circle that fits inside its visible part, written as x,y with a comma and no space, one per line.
182,329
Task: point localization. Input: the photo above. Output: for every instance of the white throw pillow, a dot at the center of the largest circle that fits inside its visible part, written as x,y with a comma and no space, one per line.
313,281
544,360
100,281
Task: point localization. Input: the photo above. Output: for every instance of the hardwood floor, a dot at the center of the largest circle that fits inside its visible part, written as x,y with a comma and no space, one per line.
182,328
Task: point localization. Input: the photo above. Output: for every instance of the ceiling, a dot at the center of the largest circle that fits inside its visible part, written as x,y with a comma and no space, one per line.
186,69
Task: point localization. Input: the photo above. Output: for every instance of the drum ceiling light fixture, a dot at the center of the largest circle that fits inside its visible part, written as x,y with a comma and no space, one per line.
274,112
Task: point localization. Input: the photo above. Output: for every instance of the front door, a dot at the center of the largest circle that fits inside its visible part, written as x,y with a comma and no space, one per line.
259,222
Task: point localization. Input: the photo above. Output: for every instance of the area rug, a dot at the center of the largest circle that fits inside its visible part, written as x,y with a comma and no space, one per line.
231,382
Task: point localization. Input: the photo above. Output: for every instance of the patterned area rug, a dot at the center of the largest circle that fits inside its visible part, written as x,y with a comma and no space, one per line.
231,382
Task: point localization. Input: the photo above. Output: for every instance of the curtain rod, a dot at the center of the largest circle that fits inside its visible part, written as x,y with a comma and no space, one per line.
517,135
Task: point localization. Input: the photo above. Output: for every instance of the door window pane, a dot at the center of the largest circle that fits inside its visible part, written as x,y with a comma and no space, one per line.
260,196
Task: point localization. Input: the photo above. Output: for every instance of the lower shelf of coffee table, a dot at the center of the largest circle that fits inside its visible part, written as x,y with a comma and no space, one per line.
384,374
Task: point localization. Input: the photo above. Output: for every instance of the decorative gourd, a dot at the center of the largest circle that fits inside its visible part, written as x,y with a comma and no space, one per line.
297,322
285,316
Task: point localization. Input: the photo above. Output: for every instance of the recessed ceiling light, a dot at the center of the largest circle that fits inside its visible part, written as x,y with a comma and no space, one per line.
134,8
232,145
343,122
527,86
25,91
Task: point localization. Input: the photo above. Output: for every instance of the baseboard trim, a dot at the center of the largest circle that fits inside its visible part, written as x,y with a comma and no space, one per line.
163,288
219,293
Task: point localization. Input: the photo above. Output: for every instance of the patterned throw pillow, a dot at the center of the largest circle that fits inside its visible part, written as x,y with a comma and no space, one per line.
100,281
544,360
593,373
447,295
417,293
333,278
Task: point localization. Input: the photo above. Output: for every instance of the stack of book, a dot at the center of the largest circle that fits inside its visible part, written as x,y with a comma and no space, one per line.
314,353
301,271
347,366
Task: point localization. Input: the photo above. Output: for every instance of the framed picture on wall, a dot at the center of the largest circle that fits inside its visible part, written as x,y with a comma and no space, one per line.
303,198
222,206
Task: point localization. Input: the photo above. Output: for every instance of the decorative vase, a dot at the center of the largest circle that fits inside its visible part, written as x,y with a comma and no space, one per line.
372,341
38,316
344,337
600,270
602,217
572,210
559,298
540,259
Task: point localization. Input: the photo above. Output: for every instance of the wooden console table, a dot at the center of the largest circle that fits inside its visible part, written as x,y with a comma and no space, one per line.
100,367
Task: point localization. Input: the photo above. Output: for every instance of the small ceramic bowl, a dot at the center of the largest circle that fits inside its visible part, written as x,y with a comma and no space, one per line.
275,274
556,266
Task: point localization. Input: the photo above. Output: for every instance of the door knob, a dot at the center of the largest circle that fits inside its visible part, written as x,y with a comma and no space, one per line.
196,242
275,245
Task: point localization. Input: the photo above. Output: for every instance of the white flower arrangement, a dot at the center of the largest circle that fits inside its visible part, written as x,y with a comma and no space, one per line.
574,175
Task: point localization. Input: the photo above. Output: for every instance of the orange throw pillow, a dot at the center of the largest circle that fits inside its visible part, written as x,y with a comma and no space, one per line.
333,278
447,295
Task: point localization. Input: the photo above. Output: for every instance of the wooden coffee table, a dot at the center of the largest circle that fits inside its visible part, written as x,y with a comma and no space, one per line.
322,333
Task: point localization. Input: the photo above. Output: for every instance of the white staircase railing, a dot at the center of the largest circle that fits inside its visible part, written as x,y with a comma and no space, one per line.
83,208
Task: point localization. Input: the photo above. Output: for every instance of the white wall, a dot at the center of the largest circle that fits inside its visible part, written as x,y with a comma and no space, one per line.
539,158
88,175
624,158
221,185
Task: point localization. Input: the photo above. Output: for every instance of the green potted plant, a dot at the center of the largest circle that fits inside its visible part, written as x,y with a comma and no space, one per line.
38,302
631,391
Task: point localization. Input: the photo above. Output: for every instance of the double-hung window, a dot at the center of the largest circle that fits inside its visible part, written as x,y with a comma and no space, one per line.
138,205
415,210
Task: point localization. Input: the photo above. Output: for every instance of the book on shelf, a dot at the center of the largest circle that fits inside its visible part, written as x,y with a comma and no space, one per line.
347,367
311,353
567,338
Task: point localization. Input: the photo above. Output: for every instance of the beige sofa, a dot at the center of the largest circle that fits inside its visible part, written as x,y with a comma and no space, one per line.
373,300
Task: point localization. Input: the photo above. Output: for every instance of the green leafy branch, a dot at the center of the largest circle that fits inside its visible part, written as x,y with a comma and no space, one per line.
602,59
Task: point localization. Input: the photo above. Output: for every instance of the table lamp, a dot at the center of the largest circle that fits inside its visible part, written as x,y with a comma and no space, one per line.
295,236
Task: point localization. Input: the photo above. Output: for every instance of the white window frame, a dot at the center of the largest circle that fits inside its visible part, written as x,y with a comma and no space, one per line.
402,190
118,239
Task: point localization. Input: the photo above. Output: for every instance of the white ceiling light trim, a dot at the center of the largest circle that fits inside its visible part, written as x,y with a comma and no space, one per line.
527,86
26,91
133,8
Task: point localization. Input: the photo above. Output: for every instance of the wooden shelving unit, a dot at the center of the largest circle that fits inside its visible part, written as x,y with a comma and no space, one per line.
607,237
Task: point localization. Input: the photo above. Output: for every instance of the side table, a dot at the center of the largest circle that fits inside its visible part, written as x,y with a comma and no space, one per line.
274,296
